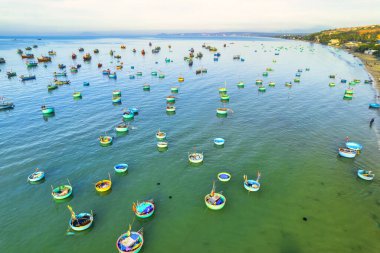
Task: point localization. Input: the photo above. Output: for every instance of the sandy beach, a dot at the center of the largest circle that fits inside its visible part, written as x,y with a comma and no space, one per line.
372,65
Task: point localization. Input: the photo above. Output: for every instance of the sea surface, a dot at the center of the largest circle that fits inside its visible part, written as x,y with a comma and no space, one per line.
310,199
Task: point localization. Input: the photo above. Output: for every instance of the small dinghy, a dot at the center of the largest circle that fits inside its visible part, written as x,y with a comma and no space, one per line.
224,176
348,153
162,144
130,242
51,87
128,115
174,89
104,185
170,108
354,146
146,87
134,110
215,201
116,99
121,167
374,106
366,175
195,157
160,135
259,82
81,221
240,84
219,141
47,109
170,99
105,140
36,176
77,94
122,127
252,185
144,209
222,111
112,76
62,191
116,93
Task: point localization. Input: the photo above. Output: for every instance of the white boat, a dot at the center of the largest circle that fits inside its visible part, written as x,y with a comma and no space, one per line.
162,144
348,153
195,157
160,135
252,185
219,141
366,175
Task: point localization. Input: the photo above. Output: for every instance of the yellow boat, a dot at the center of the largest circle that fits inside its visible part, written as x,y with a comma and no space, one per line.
181,79
104,185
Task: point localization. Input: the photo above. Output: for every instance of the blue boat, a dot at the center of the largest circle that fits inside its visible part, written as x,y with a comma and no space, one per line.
113,75
374,105
252,185
348,153
121,167
343,81
219,141
224,176
132,77
36,176
354,146
366,175
81,221
26,78
86,84
135,110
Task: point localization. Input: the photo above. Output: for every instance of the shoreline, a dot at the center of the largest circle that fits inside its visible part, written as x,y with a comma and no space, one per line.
372,65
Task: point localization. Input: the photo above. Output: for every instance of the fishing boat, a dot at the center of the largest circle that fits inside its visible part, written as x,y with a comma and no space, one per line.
51,52
44,59
144,209
74,69
195,157
117,56
224,176
130,242
36,176
160,135
119,67
222,111
170,99
161,76
252,185
11,74
77,94
96,51
347,96
374,105
349,91
123,47
366,174
105,140
56,74
116,93
181,79
112,76
81,221
162,144
297,80
224,97
356,81
122,127
19,51
132,76
28,48
146,87
6,104
116,99
332,84
174,89
219,141
265,73
62,192
81,49
236,57
143,52
87,57
240,84
47,109
73,56
52,87
128,115
170,108
352,83
346,152
61,66
153,73
106,72
27,56
262,88
86,84
289,85
259,82
215,201
354,146
26,78
104,185
61,82
100,65
31,64
121,167
332,76
134,110
139,73
272,84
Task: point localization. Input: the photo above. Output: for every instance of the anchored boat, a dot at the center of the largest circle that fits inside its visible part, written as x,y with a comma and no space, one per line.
366,175
36,176
62,191
121,167
252,185
224,176
122,127
130,242
195,157
104,185
219,141
81,221
215,201
144,209
105,140
160,135
162,144
6,104
47,109
348,153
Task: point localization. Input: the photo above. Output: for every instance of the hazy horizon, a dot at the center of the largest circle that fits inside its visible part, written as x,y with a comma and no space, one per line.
148,17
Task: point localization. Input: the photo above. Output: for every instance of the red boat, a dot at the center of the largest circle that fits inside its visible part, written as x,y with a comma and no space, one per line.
73,56
100,65
143,52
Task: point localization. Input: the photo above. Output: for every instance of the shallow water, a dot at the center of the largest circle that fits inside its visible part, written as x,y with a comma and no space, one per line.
290,135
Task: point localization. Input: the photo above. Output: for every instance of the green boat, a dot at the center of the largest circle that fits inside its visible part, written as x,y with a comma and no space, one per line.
259,81
174,89
215,201
223,90
121,128
332,84
153,73
170,99
262,88
272,84
225,97
47,109
128,115
269,69
297,80
349,91
31,64
265,74
356,81
287,84
161,76
240,84
62,192
352,83
146,87
170,108
116,93
139,74
222,111
77,94
347,96
52,87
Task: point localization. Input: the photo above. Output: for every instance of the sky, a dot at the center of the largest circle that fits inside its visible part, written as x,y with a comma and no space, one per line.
29,17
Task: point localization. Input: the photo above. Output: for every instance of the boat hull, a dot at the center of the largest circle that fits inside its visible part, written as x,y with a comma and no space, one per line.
215,207
58,197
121,167
362,176
81,228
252,186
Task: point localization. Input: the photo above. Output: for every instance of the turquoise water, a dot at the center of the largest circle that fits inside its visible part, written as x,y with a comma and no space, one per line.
290,135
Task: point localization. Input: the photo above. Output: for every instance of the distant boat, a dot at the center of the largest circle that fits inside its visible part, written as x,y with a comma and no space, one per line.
104,185
224,176
121,167
62,192
160,135
374,106
5,104
44,59
195,157
27,56
26,78
366,175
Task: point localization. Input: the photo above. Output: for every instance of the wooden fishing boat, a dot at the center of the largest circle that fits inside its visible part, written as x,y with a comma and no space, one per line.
81,49
153,73
354,146
121,167
272,84
139,73
123,47
143,52
5,104
52,87
27,56
223,90
298,74
73,69
134,50
356,81
222,111
347,96
240,84
297,80
349,91
366,175
170,108
51,52
11,74
73,56
119,67
195,157
100,65
144,209
146,87
87,57
81,221
332,84
28,48
262,88
332,76
117,56
134,110
19,51
374,105
352,83
105,140
162,144
62,192
44,59
130,242
122,127
219,141
160,135
96,51
31,64
224,176
112,76
61,82
174,89
47,109
77,94
252,185
60,73
26,78
346,152
289,85
181,79
128,115
224,97
259,82
36,176
215,201
161,76
170,99
104,185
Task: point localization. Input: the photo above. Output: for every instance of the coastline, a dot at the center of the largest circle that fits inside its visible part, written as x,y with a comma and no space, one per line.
372,65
